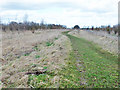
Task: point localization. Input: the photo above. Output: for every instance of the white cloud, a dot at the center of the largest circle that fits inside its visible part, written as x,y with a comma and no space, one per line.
68,12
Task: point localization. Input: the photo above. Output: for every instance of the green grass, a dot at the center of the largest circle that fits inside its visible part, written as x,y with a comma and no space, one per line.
41,81
49,43
69,75
35,48
100,66
56,38
27,54
37,56
44,67
34,80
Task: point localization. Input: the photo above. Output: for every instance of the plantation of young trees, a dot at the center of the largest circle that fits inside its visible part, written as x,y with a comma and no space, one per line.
108,29
30,26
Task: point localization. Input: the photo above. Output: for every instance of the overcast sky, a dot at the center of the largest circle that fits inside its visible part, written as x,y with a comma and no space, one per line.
65,12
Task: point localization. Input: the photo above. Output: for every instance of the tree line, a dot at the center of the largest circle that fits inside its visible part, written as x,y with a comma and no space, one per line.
30,26
12,26
108,28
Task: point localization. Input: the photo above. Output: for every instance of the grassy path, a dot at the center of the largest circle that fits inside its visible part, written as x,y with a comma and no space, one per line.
97,68
87,66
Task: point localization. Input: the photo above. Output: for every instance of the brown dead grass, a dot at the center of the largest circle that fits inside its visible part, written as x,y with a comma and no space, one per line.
14,68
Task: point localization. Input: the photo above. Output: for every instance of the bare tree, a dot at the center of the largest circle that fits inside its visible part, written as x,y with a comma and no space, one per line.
25,19
42,24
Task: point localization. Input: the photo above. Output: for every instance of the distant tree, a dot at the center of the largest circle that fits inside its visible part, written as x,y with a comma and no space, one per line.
76,27
3,27
92,28
108,29
13,25
42,24
115,29
88,28
25,20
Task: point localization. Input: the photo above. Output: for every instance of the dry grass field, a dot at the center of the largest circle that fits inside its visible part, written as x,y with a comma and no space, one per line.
25,51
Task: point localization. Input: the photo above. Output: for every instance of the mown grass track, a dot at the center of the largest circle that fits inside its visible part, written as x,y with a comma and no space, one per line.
100,67
87,66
